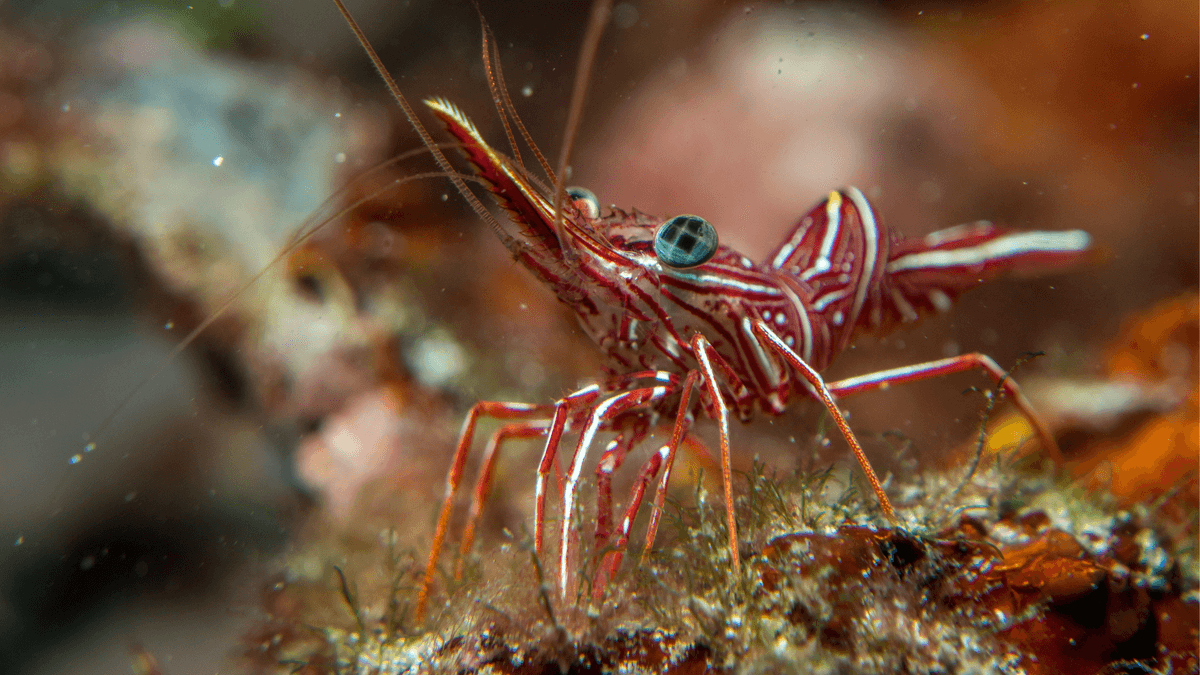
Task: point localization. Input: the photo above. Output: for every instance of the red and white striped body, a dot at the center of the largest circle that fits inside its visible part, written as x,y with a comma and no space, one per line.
751,335
838,273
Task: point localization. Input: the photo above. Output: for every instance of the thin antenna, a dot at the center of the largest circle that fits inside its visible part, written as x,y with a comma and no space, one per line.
477,206
583,71
495,87
500,96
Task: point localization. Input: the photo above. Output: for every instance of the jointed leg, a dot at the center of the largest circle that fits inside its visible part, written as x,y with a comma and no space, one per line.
819,387
494,409
709,361
611,460
954,364
612,560
605,411
483,484
666,455
683,420
706,355
563,410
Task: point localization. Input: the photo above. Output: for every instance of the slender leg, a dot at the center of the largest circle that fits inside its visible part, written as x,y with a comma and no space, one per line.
955,364
494,409
563,410
707,358
612,560
605,411
483,485
818,384
706,355
611,460
683,420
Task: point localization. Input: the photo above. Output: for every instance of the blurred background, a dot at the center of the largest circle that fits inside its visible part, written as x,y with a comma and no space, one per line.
156,156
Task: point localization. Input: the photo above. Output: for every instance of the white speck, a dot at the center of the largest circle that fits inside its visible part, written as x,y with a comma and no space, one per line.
524,306
1145,36
437,360
337,114
89,447
747,263
75,459
169,325
780,319
218,160
838,318
766,316
445,197
340,158
527,91
20,540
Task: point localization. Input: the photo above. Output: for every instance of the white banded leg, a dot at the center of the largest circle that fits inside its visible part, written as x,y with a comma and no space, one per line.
605,411
496,410
949,366
819,387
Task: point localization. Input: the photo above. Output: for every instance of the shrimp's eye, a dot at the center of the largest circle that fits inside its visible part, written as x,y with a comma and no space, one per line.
685,241
585,201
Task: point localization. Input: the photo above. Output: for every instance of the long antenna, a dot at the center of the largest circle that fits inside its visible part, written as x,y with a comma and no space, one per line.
436,151
583,72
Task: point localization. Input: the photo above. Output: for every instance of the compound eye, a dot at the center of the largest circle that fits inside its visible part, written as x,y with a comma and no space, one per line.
685,241
585,201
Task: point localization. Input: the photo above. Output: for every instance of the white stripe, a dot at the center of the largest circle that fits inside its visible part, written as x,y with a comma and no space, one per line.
806,335
710,376
940,301
957,232
996,249
833,213
819,304
671,345
711,280
585,443
782,347
797,236
871,250
767,363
